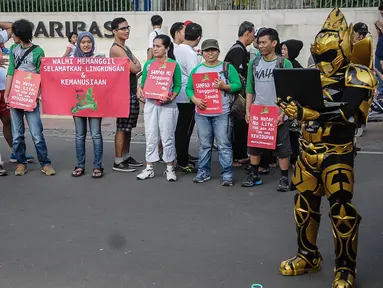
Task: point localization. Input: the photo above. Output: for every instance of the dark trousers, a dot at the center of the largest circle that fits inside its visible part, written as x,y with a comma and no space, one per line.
239,139
184,130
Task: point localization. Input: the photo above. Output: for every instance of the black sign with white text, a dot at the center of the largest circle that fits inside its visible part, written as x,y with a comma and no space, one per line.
62,29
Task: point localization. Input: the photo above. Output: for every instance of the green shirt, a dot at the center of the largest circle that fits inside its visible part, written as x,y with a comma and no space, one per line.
31,63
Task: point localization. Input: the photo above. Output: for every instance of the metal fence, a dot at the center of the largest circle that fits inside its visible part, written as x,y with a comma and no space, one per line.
172,5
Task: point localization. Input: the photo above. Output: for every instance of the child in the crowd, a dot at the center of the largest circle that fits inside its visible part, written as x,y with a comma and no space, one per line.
218,126
71,47
85,48
160,117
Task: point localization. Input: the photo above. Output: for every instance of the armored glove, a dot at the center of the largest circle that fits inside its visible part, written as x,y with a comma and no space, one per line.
293,109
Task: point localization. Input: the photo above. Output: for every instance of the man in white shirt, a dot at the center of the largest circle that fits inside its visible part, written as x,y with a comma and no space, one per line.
187,58
157,30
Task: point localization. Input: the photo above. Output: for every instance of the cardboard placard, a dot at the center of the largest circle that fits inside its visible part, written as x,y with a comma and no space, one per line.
204,88
159,79
263,127
24,91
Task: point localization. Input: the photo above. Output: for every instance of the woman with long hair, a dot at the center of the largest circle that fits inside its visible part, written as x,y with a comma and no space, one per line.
85,48
160,116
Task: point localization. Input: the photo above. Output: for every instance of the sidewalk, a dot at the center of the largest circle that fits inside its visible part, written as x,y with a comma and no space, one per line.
63,126
372,139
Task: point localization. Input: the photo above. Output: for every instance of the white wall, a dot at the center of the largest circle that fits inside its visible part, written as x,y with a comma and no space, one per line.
222,25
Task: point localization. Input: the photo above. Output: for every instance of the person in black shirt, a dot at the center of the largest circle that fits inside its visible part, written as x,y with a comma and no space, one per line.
239,58
290,50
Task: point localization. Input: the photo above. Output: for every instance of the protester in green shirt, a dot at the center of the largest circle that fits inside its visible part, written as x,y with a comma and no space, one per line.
260,90
214,125
19,60
160,116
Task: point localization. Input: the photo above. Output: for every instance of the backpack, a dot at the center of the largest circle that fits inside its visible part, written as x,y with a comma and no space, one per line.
238,101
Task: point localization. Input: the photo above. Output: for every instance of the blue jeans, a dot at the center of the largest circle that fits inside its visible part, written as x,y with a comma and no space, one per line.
379,67
36,130
95,132
219,127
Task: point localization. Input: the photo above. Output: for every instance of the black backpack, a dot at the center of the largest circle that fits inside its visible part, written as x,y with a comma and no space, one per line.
238,101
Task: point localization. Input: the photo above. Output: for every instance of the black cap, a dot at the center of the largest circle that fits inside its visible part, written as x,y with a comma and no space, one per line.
361,27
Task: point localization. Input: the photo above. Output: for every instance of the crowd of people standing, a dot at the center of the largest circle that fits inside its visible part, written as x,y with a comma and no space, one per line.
169,123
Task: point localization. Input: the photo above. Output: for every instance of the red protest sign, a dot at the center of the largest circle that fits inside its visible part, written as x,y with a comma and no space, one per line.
204,88
24,91
159,79
88,87
263,127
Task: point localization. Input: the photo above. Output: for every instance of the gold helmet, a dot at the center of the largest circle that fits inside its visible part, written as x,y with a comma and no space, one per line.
331,49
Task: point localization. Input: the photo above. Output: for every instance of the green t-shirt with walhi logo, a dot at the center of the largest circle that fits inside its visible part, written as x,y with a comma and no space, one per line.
31,63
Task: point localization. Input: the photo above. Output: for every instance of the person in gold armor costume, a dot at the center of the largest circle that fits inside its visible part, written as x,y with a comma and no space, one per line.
326,160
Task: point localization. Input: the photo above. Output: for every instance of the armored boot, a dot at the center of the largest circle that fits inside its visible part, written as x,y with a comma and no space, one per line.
307,218
345,223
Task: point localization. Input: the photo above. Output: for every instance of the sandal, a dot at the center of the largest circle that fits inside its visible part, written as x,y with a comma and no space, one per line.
98,173
78,172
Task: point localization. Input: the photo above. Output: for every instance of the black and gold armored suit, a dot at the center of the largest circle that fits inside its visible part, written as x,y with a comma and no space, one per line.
326,161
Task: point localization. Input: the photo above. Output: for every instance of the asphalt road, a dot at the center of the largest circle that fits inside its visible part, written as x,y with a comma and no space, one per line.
62,232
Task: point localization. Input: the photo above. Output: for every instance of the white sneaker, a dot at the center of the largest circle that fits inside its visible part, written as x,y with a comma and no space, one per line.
147,173
171,175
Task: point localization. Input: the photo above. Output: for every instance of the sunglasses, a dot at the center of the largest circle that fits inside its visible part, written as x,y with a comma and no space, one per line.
126,28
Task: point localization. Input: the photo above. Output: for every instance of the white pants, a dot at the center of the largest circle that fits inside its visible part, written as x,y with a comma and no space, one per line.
160,122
